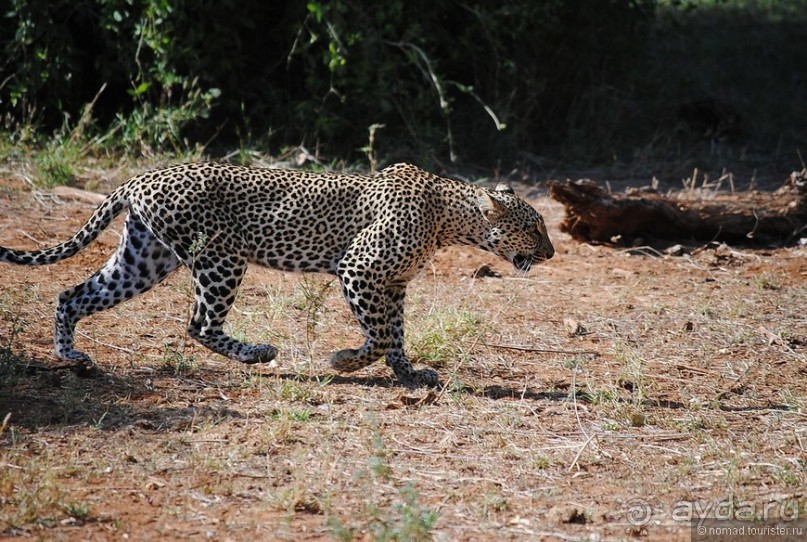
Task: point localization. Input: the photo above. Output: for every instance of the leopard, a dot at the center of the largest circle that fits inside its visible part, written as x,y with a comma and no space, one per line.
374,231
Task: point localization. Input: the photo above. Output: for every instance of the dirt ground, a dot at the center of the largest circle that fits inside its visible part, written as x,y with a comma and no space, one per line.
609,394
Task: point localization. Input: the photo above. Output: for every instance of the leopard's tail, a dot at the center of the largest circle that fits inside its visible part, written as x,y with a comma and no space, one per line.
103,215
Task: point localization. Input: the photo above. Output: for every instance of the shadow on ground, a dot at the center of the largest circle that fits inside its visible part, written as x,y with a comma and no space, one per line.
36,394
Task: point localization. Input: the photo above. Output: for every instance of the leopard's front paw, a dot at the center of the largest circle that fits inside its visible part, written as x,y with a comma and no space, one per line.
346,361
79,362
74,356
262,353
418,378
409,376
426,377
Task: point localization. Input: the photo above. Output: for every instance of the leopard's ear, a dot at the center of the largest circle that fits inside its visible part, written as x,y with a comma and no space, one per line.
505,188
491,209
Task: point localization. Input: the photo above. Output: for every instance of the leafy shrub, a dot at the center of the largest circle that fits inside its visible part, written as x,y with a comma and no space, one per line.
445,79
468,81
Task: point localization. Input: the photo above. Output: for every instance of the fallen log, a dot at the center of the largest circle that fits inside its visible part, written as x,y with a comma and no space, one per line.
645,217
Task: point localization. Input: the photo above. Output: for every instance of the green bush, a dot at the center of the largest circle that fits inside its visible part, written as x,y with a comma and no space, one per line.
445,79
486,83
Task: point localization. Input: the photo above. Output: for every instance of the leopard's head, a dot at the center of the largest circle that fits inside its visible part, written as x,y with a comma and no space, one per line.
514,230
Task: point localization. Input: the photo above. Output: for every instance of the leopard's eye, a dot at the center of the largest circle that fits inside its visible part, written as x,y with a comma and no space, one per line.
540,228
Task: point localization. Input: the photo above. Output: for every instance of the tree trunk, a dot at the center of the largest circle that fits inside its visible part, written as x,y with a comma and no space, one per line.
741,218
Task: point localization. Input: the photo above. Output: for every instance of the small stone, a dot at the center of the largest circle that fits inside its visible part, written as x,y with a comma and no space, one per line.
574,327
486,271
566,514
689,326
675,250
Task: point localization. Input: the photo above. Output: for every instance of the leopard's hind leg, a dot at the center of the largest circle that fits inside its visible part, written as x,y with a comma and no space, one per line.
139,263
217,274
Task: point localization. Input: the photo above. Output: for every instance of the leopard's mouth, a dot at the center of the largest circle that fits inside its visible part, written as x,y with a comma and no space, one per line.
522,262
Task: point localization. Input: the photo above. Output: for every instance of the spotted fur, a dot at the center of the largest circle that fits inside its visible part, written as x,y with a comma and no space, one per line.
374,232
